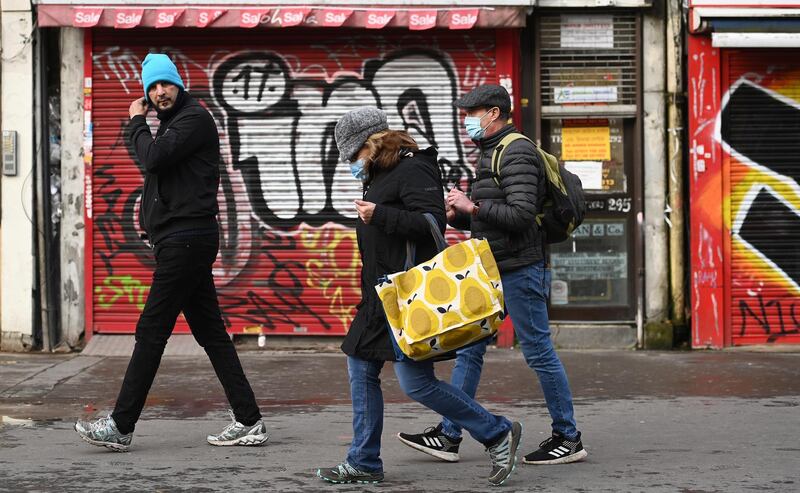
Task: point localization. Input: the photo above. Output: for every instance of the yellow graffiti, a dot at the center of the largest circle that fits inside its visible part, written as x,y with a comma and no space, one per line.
115,288
786,83
333,269
747,181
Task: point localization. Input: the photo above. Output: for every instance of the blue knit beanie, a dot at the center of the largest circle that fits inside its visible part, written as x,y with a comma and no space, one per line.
157,67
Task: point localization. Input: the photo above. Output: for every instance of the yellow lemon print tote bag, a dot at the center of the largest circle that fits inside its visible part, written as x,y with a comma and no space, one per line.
449,302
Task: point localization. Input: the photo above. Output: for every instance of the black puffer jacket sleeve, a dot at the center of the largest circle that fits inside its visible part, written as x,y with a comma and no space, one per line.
519,180
420,192
461,221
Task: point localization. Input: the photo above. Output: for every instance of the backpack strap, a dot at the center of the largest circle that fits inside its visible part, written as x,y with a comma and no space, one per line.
500,149
497,158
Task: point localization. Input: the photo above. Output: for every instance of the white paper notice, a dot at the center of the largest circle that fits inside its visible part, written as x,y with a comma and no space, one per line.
559,292
584,94
587,31
590,173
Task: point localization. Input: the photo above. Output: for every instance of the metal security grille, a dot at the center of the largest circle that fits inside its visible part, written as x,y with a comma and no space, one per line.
584,61
289,262
761,139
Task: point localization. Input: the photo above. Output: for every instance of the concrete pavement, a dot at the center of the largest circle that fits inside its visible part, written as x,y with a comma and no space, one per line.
652,421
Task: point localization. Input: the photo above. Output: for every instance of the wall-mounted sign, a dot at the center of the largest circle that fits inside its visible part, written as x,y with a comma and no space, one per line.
586,144
587,31
590,265
584,94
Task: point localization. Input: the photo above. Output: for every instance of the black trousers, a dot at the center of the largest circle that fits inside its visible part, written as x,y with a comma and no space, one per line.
183,281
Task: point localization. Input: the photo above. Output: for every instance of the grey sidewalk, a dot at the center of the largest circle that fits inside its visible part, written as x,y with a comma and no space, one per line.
701,421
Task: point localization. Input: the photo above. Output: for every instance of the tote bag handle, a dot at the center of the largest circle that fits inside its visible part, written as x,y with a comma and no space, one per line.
411,247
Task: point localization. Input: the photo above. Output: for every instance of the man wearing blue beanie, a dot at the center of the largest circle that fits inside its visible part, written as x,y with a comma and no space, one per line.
178,212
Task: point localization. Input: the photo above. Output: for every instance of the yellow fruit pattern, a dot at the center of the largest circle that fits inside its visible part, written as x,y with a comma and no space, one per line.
390,306
459,338
408,282
421,321
451,301
488,261
440,289
458,257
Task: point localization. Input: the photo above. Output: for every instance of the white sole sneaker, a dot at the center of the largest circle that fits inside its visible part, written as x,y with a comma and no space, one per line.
116,447
563,460
445,456
245,441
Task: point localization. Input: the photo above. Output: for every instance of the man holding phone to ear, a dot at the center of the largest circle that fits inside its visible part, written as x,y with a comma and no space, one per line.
178,212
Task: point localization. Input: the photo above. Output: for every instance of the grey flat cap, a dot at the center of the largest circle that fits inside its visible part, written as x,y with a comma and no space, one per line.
488,96
355,127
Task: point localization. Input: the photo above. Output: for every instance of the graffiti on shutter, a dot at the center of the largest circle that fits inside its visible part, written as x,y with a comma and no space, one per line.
760,131
288,261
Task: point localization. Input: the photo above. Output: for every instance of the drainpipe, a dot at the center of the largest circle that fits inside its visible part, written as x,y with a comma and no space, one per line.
656,234
674,57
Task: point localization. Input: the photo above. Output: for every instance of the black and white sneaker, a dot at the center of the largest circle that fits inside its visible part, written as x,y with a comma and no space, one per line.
345,473
557,450
433,442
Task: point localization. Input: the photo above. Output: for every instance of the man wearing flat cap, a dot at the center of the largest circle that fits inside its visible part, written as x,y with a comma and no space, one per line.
502,208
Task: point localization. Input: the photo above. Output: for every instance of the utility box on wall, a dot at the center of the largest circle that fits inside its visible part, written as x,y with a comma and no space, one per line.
10,152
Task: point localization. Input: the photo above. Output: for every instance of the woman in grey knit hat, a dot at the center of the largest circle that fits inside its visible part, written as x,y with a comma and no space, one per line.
401,184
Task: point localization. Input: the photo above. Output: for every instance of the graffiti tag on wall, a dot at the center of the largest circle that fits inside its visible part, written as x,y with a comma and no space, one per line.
288,260
759,128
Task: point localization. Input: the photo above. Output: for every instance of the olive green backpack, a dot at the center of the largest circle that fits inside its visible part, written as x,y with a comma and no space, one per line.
564,206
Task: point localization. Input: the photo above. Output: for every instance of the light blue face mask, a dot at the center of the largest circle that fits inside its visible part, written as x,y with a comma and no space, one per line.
473,126
357,170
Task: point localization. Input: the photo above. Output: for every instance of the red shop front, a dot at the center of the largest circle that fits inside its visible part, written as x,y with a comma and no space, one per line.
276,81
744,140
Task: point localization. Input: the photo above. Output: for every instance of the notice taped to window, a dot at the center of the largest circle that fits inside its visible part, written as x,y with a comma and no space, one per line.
587,31
586,144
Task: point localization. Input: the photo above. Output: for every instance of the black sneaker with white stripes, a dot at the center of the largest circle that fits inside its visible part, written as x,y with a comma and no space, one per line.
557,450
433,442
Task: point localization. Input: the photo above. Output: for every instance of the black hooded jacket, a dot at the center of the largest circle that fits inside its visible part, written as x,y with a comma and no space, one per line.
401,194
181,169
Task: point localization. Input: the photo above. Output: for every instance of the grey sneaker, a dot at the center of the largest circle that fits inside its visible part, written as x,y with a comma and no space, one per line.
103,432
345,473
238,434
504,455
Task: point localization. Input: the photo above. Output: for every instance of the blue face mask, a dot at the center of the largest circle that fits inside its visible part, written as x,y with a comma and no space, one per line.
473,126
357,170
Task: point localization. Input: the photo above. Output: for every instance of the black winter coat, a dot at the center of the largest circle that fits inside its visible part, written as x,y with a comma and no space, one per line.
507,214
181,169
402,195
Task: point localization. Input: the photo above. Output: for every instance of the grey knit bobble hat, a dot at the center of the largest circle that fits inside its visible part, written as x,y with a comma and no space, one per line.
355,127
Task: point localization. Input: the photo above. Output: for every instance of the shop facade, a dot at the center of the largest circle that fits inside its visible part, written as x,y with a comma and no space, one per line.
276,81
585,107
586,81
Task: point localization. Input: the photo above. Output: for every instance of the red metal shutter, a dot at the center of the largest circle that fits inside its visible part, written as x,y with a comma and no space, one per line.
760,136
289,261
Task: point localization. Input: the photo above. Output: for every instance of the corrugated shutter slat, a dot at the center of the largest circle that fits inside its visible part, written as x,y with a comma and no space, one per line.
761,133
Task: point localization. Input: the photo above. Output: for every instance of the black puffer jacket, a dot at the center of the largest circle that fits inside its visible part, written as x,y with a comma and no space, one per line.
402,194
507,214
181,169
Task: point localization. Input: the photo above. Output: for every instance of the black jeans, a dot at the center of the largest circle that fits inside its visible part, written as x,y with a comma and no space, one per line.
183,281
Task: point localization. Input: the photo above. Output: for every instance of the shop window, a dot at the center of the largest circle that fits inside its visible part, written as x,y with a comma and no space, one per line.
591,268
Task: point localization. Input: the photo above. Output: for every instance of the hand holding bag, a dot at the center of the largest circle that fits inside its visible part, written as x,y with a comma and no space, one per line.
447,303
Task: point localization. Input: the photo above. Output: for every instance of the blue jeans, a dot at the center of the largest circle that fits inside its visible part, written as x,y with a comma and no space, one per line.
526,291
466,375
418,381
